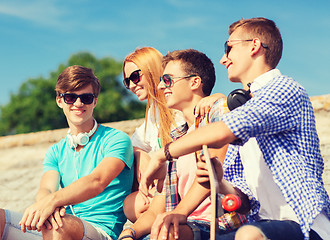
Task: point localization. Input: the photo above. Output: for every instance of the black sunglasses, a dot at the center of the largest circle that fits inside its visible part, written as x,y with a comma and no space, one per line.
168,80
228,48
70,98
134,77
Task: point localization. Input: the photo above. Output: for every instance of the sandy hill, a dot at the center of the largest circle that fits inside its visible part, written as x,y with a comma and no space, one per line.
21,156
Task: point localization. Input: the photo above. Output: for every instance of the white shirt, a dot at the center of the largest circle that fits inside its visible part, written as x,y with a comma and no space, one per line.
148,140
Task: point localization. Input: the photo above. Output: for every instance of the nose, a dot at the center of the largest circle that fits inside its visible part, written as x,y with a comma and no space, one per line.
131,86
160,86
78,103
223,60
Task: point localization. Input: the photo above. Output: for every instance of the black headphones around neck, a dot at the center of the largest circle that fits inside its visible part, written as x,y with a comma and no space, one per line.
238,97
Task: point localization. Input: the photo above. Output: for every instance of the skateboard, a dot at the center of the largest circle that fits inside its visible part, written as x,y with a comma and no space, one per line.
229,202
214,186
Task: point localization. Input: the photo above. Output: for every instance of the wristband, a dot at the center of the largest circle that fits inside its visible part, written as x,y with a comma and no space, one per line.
168,155
126,236
133,232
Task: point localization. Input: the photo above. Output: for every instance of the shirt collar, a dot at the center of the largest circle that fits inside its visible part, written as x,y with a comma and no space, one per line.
263,79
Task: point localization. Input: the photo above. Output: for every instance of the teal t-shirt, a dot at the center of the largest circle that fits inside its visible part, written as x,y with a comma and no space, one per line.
105,210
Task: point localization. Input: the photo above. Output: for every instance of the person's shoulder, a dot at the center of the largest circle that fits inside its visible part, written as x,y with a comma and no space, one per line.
57,148
284,86
219,107
109,131
60,144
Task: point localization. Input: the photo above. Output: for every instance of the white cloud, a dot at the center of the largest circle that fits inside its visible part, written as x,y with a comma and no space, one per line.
38,11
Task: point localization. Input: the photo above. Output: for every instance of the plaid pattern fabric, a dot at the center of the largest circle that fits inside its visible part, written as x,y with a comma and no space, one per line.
231,221
281,118
171,182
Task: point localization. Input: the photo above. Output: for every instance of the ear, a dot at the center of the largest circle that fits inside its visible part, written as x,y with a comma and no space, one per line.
195,82
59,102
95,102
256,46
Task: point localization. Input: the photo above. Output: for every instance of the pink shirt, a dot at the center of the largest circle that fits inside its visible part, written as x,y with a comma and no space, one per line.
186,172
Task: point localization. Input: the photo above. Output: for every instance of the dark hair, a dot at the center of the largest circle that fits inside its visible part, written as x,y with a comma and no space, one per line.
77,77
194,62
268,33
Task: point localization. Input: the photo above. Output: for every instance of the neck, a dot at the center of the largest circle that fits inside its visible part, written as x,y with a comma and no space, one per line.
188,111
85,127
253,74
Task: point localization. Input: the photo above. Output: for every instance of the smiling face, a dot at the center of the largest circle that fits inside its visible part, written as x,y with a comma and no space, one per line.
140,89
78,115
239,59
177,96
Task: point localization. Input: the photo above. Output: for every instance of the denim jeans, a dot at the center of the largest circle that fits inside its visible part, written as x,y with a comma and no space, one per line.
273,229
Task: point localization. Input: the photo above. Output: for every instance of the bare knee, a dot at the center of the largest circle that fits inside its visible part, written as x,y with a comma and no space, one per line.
134,205
249,232
72,229
2,221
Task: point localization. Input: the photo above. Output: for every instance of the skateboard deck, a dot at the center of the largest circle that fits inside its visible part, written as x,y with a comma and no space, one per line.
214,186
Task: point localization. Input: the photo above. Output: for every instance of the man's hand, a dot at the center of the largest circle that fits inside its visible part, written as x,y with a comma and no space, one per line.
161,226
202,173
37,214
55,220
205,104
156,170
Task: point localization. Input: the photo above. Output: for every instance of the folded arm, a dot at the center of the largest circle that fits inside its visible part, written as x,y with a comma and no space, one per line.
49,198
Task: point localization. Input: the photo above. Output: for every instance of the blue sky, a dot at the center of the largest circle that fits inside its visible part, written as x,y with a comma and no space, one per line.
38,35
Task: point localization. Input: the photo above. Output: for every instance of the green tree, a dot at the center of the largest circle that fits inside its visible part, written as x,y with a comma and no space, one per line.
34,108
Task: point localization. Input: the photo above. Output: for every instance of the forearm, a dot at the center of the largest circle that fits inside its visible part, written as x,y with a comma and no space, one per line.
43,192
144,223
226,188
214,135
79,191
142,160
194,197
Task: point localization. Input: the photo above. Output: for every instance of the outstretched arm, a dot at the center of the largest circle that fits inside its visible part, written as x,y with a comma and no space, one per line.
214,135
81,190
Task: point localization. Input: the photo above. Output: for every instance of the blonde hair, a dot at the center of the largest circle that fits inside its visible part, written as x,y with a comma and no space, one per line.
149,60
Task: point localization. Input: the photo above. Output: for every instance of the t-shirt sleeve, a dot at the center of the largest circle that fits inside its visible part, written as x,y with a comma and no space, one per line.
140,140
119,146
51,160
273,109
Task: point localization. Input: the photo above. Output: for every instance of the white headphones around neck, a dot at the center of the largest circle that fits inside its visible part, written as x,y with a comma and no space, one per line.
82,138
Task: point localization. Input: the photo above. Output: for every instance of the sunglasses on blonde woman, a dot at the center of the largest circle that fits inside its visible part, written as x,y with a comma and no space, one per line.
134,77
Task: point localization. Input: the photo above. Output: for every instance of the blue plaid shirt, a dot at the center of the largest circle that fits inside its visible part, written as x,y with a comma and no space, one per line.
281,118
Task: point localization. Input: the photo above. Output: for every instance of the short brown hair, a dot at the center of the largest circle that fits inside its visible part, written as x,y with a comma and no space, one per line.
268,33
77,77
194,62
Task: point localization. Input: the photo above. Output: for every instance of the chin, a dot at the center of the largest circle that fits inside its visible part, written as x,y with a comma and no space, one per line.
142,98
233,79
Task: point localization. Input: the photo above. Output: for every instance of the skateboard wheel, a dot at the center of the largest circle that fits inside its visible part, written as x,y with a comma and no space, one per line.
231,202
